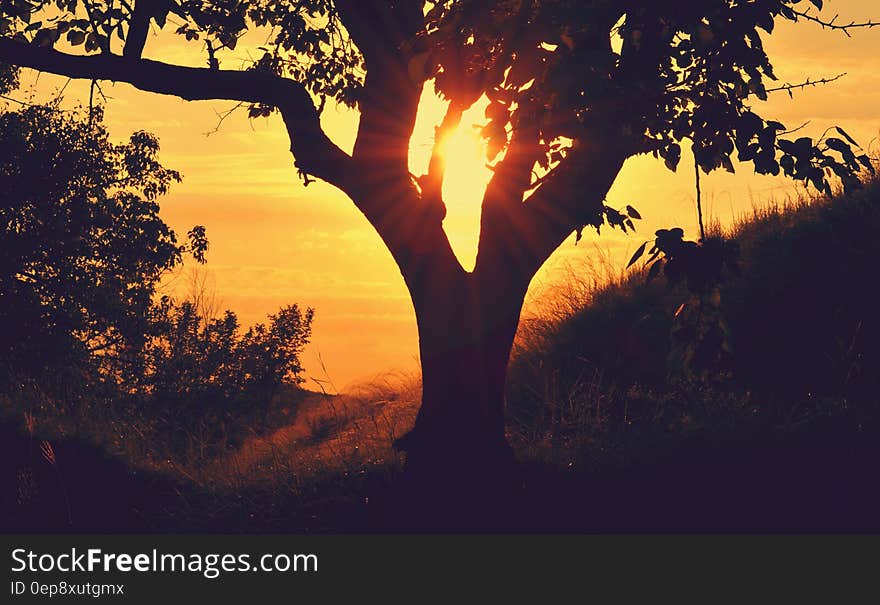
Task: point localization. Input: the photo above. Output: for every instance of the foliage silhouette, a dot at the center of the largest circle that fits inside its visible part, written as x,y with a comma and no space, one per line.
201,372
83,244
84,251
575,89
8,78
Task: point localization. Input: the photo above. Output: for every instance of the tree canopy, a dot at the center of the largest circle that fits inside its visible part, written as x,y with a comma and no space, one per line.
665,71
564,78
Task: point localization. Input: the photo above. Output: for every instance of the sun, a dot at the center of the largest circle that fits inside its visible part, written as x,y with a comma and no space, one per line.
467,171
464,184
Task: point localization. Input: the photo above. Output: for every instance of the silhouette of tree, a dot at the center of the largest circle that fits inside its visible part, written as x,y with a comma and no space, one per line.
575,87
83,244
83,251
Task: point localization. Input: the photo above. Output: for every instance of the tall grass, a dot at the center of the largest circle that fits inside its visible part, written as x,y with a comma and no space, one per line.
594,381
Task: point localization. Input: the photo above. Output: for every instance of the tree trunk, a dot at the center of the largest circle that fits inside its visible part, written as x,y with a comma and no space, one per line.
466,327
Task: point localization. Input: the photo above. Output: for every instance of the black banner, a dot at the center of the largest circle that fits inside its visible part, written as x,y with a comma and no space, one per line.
415,568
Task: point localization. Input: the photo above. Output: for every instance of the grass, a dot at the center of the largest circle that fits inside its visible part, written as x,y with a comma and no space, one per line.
613,432
314,473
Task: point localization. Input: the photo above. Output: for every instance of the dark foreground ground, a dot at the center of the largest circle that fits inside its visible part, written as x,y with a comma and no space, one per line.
709,484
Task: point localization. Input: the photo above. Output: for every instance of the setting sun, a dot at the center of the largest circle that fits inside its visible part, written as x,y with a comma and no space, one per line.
466,167
467,170
467,174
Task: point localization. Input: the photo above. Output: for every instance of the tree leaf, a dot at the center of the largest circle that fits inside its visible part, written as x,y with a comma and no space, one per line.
846,136
837,145
637,255
76,37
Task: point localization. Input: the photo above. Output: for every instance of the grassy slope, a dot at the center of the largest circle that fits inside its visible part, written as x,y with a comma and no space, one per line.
786,437
805,295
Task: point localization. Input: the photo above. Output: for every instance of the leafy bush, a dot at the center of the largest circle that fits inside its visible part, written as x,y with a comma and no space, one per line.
201,374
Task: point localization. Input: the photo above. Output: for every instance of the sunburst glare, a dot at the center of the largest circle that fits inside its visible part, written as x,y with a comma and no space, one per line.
467,173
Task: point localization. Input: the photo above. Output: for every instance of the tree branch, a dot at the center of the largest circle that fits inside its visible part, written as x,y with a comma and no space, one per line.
518,236
790,87
513,174
503,200
314,152
377,179
411,226
385,33
570,197
832,25
432,183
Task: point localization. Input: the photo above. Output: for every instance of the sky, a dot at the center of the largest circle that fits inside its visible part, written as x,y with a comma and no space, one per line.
275,242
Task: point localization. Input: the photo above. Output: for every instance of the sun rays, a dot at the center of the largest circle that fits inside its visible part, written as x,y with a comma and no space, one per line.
467,171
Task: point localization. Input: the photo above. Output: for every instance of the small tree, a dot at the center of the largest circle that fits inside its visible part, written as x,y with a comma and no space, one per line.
575,88
269,354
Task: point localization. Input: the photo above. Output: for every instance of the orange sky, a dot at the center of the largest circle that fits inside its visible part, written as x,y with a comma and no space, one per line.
274,242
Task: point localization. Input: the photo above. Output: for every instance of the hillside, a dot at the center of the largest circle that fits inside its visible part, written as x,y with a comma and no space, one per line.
778,431
797,320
